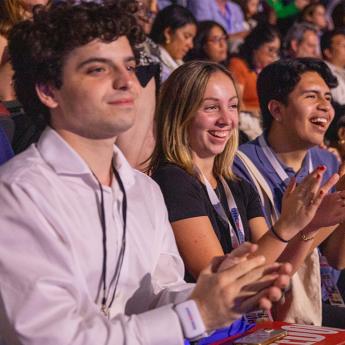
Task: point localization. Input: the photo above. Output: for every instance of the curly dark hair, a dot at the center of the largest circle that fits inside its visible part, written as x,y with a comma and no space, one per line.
277,80
39,47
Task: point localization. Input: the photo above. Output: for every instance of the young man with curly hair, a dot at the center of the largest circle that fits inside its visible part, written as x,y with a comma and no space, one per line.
87,253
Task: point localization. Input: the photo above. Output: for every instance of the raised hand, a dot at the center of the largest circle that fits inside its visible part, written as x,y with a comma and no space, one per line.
330,212
301,202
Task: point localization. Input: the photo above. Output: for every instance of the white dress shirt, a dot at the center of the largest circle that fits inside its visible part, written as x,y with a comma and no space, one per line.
51,253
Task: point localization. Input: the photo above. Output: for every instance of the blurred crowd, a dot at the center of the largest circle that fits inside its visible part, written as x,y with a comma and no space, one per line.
244,36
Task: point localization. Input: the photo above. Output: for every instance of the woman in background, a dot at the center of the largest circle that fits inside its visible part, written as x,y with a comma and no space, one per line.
260,48
250,10
173,30
315,13
210,43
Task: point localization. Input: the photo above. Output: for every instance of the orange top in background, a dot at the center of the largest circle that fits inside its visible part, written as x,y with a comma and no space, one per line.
247,78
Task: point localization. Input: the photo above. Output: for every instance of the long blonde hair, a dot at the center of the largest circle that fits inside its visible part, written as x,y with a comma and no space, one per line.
180,97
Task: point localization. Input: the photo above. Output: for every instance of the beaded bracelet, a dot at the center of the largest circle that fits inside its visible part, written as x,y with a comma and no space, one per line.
277,235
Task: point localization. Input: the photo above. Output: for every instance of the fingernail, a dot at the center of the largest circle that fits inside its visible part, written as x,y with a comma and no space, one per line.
322,192
318,176
321,168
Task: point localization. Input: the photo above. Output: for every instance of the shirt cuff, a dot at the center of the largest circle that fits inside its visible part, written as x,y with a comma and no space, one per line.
161,326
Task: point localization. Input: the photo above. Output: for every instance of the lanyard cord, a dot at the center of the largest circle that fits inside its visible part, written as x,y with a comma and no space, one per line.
236,234
105,309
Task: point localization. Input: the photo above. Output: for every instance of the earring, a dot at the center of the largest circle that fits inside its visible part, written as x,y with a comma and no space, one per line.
341,142
167,41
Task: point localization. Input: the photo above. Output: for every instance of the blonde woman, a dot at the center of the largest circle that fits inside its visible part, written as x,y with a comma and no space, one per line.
11,12
211,211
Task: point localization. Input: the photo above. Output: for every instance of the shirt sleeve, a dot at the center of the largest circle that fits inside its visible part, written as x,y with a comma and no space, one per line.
253,206
183,194
200,9
43,297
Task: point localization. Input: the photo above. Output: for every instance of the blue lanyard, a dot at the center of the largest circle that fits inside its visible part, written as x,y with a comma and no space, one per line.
237,235
276,165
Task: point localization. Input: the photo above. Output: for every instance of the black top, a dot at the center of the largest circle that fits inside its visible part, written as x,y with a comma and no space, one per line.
186,197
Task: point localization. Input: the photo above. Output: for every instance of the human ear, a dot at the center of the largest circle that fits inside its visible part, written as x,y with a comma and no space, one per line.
341,134
46,95
294,45
167,35
327,53
275,108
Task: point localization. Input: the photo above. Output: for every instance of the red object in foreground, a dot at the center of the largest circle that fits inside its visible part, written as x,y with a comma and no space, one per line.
298,334
3,110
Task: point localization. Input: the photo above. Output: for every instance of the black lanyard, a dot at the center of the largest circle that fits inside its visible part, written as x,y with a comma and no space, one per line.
106,308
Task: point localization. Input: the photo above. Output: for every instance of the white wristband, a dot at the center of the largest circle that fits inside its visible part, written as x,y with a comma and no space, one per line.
192,324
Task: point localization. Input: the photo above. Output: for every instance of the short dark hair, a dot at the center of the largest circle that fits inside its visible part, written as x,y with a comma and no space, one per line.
203,34
338,15
277,80
173,17
261,34
38,47
309,10
327,37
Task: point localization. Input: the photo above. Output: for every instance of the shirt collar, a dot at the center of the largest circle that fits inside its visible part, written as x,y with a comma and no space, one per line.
168,60
269,168
66,161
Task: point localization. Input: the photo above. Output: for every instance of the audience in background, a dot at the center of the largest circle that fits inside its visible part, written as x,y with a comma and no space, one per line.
11,12
301,41
315,14
225,12
146,14
260,48
340,136
333,52
173,29
338,15
250,10
165,3
287,12
137,142
210,43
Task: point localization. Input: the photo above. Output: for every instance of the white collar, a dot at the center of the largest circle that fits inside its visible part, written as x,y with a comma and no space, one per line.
168,60
335,68
64,160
